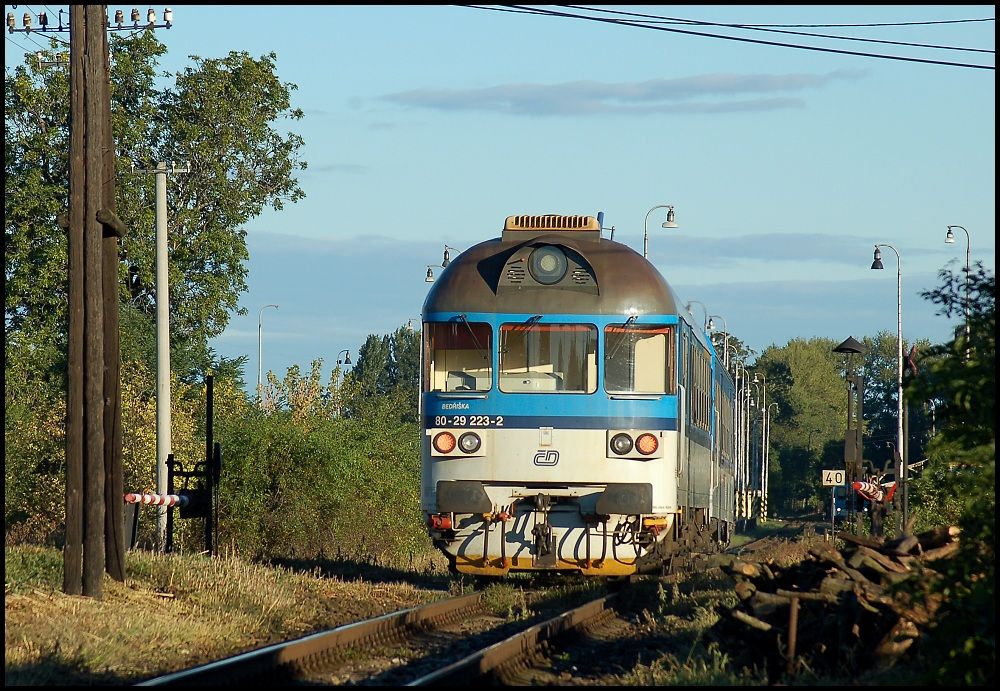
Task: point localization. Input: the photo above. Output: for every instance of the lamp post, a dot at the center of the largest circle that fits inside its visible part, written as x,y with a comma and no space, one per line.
430,274
739,437
669,223
732,360
877,264
704,324
753,448
950,239
763,436
347,358
260,366
767,459
725,346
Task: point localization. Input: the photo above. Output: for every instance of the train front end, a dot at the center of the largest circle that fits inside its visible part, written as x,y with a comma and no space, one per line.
549,404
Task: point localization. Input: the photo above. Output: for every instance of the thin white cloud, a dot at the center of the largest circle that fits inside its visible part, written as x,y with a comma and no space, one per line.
715,93
349,168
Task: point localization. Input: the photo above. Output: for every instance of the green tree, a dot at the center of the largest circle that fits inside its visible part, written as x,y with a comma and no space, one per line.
961,378
803,377
371,369
220,115
387,367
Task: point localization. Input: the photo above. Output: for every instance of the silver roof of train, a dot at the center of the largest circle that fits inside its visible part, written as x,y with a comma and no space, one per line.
605,277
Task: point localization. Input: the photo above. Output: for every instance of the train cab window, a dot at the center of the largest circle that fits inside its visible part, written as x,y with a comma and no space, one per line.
548,358
638,359
457,356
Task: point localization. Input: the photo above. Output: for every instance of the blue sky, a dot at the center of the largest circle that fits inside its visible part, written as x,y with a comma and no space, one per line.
428,125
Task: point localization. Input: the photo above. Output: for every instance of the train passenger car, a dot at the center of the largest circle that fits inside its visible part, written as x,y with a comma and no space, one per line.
574,418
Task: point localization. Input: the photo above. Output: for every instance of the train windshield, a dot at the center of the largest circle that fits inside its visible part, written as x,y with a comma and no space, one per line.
638,359
458,356
548,358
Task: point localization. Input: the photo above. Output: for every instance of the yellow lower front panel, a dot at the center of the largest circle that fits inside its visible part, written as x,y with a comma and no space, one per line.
501,567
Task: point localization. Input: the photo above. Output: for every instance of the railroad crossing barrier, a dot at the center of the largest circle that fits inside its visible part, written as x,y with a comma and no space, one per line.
158,499
197,501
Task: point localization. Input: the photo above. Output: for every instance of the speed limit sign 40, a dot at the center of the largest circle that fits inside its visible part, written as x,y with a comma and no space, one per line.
832,478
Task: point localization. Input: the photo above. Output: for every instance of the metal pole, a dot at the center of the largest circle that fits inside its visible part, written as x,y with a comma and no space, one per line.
899,380
899,386
968,268
162,352
725,341
763,440
767,459
645,231
260,351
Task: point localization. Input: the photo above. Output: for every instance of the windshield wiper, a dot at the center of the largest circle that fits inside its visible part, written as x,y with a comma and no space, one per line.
482,351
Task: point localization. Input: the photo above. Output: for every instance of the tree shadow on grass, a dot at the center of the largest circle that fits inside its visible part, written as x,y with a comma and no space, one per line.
368,570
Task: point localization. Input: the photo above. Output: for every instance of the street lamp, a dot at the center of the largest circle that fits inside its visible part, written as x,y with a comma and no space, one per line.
669,223
763,435
347,358
739,437
877,264
704,309
260,367
755,453
950,239
447,257
725,345
767,458
430,274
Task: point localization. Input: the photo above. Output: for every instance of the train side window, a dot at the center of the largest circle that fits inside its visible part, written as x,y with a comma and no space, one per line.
638,358
548,358
457,356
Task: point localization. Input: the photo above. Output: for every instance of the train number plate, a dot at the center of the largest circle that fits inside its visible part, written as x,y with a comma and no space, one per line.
468,420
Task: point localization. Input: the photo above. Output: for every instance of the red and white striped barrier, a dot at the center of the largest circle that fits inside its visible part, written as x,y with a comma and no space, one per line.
874,492
869,490
157,499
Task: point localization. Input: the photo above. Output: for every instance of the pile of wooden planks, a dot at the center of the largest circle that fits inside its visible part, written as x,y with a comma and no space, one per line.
838,611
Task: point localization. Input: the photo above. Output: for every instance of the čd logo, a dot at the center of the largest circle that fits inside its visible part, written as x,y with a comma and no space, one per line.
548,457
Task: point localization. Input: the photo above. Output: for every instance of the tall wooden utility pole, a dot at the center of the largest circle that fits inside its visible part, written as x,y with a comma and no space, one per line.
94,498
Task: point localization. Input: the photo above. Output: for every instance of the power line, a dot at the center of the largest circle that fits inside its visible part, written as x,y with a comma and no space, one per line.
552,13
753,27
791,26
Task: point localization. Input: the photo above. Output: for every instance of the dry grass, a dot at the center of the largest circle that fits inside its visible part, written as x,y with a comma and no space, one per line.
172,612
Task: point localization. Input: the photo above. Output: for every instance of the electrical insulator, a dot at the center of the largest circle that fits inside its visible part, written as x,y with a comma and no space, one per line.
119,17
10,22
151,15
43,20
168,15
27,21
135,15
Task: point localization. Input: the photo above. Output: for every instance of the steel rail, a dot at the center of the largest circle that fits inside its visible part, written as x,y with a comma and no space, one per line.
313,648
525,643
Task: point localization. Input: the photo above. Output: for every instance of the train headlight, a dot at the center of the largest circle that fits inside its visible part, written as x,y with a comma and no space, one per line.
547,264
621,444
469,442
646,444
444,442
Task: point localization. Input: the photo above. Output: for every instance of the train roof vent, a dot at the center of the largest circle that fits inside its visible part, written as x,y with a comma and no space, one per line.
521,228
515,272
551,222
582,277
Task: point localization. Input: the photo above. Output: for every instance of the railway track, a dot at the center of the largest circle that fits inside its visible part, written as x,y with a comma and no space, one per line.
453,641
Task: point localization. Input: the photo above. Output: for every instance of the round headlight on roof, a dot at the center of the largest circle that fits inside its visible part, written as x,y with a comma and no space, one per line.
547,264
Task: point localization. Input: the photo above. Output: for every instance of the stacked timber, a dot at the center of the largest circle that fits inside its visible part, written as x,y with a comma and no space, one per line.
838,611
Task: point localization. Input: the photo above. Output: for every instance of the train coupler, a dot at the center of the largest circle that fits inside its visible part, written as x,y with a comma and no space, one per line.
439,521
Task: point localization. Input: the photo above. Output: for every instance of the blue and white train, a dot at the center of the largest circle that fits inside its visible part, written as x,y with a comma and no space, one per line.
574,417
